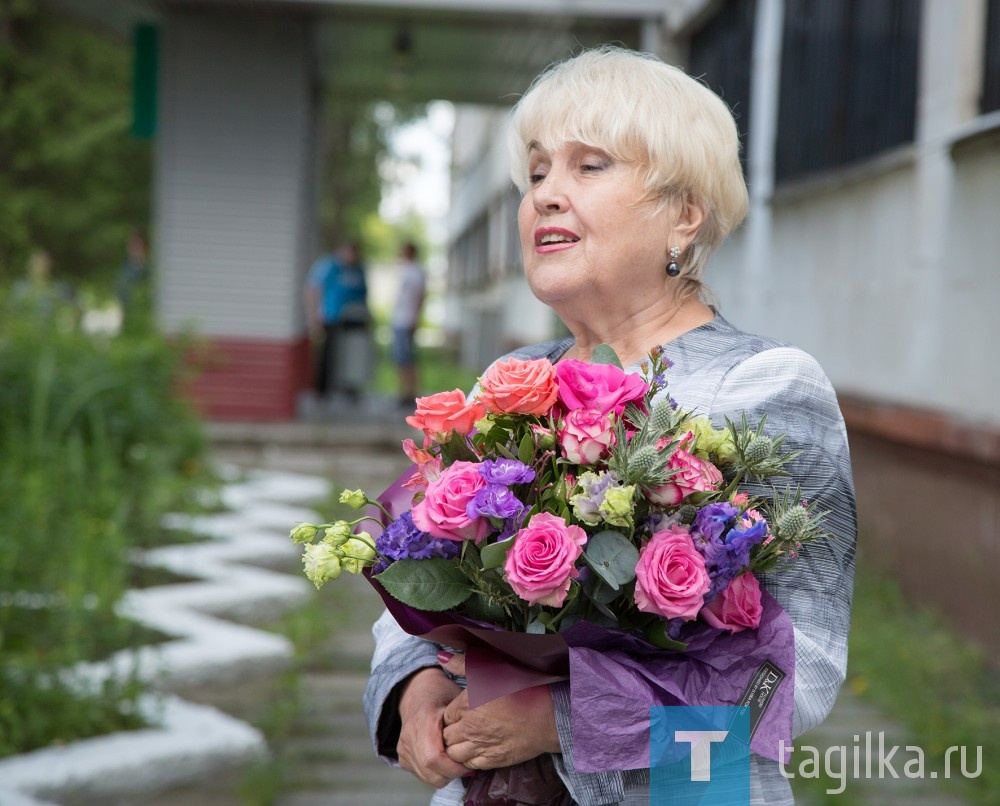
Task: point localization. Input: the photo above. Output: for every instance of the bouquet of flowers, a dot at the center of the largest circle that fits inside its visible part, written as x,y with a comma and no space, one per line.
573,499
565,492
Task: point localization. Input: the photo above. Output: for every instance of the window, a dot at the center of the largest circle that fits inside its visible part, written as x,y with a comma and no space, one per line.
848,82
721,55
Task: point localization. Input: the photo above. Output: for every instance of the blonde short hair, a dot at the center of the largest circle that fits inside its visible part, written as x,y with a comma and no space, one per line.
680,136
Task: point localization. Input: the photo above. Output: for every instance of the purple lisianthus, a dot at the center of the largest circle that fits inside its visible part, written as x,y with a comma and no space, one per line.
494,501
659,522
402,539
593,487
506,471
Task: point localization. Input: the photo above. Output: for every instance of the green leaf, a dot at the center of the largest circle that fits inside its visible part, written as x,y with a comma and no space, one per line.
483,608
656,634
597,590
526,450
613,558
434,584
605,354
494,555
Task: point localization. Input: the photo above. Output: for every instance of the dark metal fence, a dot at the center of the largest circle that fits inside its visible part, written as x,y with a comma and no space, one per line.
990,100
721,55
848,82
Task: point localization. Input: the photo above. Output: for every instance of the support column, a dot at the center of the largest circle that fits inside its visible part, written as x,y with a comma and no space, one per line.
235,204
765,88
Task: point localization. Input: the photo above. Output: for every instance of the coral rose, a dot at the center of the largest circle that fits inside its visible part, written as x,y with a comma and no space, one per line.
516,386
542,560
446,413
670,578
443,512
737,607
604,387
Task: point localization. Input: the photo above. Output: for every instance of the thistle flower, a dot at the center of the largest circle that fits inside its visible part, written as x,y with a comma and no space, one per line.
662,419
759,450
642,461
793,522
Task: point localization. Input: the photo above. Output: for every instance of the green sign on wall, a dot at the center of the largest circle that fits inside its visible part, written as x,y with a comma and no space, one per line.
144,80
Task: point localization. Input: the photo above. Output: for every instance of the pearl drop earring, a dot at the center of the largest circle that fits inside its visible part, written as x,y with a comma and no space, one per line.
673,268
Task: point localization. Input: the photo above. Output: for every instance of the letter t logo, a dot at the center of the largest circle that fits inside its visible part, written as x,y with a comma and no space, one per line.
701,750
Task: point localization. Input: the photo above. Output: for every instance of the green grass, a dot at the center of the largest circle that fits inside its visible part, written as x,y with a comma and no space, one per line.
95,446
907,661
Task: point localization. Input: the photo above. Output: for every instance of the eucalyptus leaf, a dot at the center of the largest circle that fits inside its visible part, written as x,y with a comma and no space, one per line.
597,590
605,354
494,555
435,584
613,557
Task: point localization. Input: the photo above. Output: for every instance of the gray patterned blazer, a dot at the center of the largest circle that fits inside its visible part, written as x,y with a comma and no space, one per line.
718,371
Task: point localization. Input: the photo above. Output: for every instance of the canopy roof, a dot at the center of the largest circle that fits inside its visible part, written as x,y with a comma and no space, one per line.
467,51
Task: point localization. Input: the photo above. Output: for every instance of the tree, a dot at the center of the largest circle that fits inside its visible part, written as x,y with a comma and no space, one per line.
73,180
354,143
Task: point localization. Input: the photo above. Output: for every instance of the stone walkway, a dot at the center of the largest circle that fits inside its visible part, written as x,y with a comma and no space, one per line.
327,759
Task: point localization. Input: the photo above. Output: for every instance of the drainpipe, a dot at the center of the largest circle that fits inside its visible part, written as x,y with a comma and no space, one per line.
765,84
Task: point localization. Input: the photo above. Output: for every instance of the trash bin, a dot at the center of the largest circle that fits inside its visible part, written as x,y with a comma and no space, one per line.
353,356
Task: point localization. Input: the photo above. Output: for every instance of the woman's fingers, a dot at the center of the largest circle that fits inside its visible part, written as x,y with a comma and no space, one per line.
452,662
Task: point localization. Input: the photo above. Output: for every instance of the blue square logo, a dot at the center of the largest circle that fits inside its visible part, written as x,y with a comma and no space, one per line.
699,755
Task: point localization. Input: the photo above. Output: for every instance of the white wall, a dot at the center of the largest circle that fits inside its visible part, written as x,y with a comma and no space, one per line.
888,272
234,153
845,280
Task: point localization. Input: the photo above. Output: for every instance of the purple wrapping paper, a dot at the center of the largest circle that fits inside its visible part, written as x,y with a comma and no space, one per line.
611,719
615,677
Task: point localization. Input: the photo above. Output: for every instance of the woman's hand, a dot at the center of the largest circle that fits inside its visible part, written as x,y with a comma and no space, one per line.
502,732
421,747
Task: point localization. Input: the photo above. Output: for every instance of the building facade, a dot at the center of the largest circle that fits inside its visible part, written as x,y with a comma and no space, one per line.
872,151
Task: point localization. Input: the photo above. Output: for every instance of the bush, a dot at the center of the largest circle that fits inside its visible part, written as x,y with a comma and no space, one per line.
95,446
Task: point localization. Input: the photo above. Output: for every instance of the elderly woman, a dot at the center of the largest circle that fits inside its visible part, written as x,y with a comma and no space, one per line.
631,178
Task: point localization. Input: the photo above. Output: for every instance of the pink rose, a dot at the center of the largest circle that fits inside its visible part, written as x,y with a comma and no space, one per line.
737,607
585,436
446,413
542,560
442,512
693,475
604,387
516,386
670,578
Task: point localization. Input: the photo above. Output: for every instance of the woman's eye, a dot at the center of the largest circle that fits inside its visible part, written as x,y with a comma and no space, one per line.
535,178
592,167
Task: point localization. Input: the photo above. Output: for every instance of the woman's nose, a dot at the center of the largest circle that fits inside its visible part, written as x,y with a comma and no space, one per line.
549,195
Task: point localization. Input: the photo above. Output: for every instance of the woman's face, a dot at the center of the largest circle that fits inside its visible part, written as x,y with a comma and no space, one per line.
586,239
